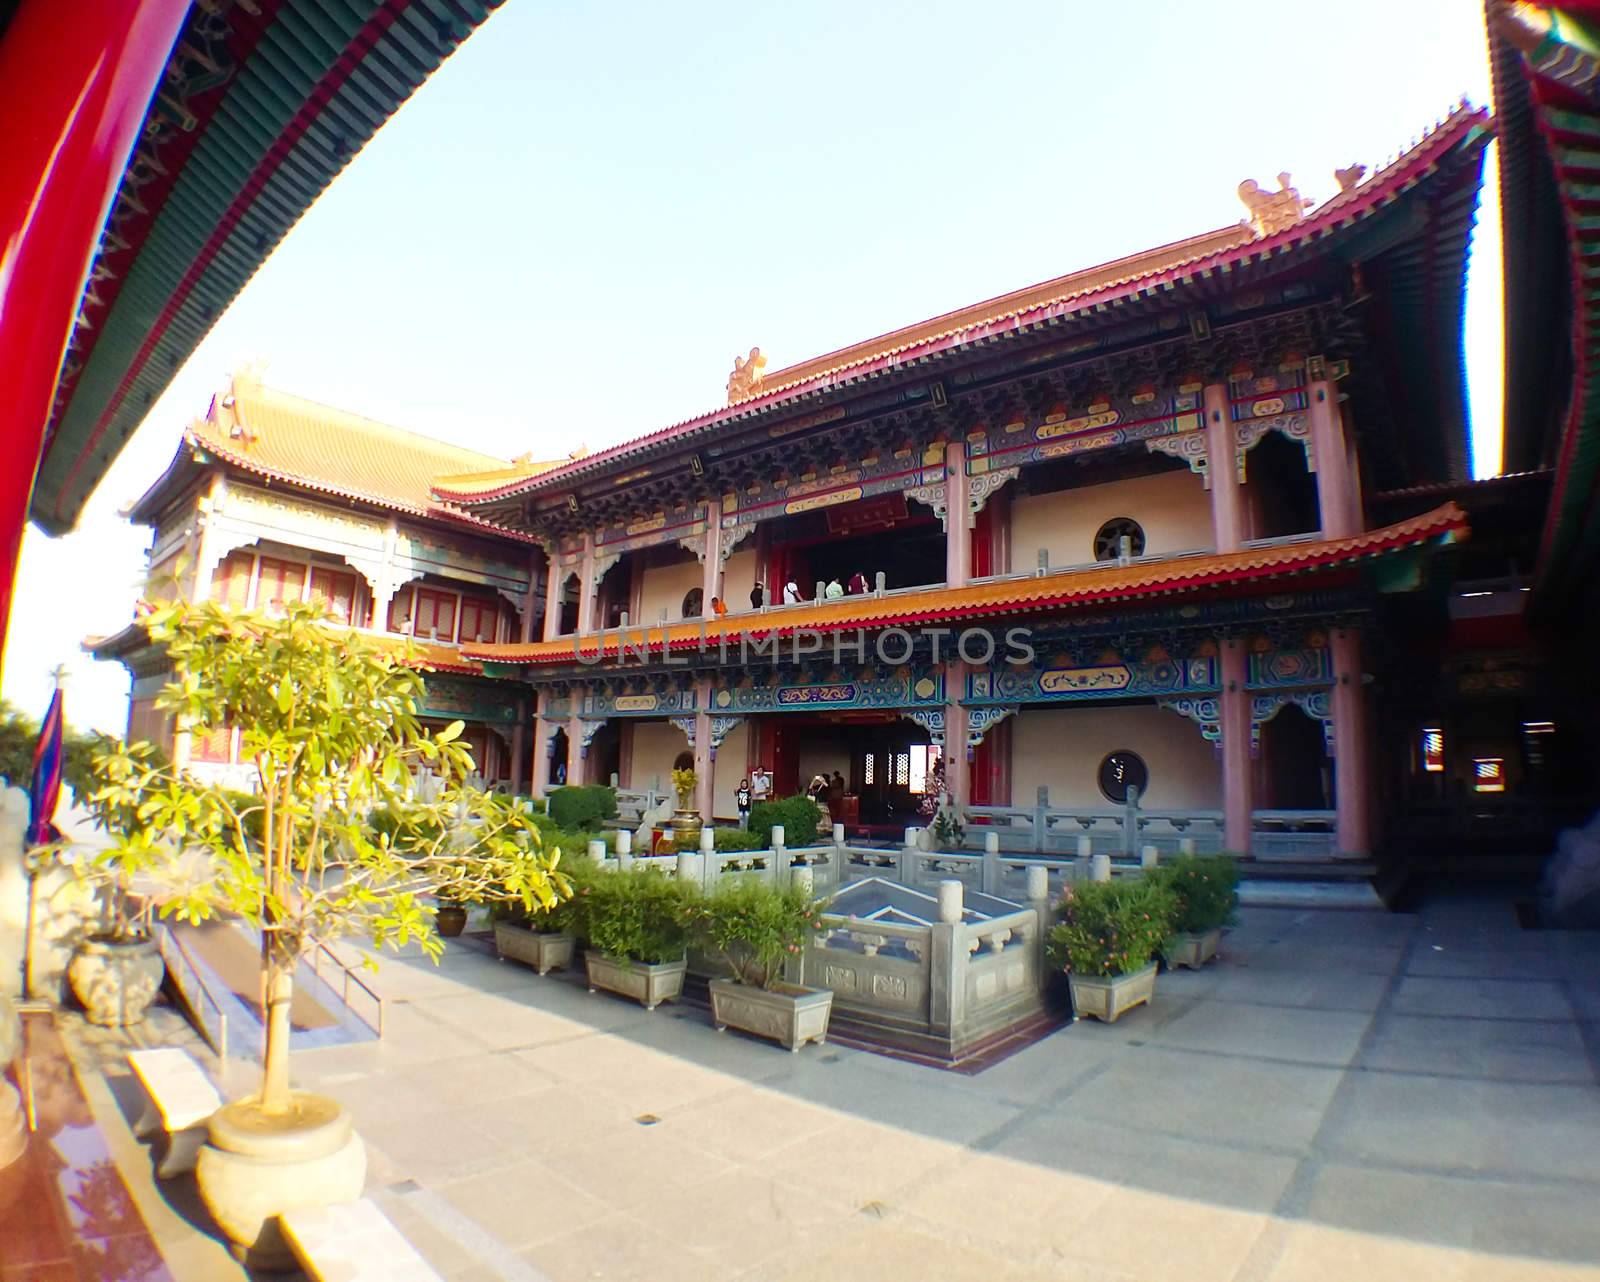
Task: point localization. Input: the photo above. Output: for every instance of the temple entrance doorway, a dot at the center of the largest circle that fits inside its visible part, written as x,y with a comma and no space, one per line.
906,544
887,766
557,769
1295,772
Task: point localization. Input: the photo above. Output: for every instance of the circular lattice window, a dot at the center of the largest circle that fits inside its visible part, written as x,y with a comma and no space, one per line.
1108,542
693,603
1120,771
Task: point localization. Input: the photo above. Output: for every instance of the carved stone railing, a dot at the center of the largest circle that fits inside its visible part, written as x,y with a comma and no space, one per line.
1060,829
1293,834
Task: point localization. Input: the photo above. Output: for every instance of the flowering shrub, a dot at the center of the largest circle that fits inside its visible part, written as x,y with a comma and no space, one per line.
1205,889
1111,927
754,927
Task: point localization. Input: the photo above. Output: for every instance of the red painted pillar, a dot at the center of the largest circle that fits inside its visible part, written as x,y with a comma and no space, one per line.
73,94
958,534
1336,500
1351,775
1237,802
957,772
1227,503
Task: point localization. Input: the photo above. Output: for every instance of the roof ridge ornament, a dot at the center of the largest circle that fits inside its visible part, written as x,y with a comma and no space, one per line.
1349,176
745,381
1273,211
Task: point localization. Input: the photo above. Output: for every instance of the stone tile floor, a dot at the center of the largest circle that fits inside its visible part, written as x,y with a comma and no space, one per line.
1343,1096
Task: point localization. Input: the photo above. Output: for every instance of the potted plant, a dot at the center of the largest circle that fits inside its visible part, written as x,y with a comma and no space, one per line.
543,938
1106,940
756,929
1205,891
686,820
328,721
634,920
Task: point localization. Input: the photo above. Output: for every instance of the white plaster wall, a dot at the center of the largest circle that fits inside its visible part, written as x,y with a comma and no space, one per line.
739,576
1063,748
728,769
656,745
1173,507
664,588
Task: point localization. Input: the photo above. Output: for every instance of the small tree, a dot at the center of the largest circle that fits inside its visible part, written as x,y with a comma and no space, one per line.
329,722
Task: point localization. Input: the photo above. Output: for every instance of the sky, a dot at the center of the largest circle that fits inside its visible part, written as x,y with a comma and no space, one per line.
572,228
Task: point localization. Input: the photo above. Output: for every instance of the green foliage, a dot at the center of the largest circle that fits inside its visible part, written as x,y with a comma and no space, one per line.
19,735
753,926
637,914
947,830
800,816
574,842
1205,889
328,720
1111,927
576,807
726,839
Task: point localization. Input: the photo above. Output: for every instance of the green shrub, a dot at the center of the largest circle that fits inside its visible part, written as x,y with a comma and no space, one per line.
727,839
585,807
638,914
580,872
572,842
1205,889
800,816
754,927
1111,927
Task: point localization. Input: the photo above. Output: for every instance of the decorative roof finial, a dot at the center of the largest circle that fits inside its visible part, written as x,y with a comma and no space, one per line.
1273,211
1349,177
745,380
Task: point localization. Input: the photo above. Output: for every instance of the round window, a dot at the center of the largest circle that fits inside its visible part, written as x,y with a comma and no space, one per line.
1108,542
1120,771
693,603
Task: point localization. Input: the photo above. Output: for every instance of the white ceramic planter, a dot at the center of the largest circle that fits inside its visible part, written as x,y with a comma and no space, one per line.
253,1169
116,980
1192,950
544,951
649,984
790,1016
1104,997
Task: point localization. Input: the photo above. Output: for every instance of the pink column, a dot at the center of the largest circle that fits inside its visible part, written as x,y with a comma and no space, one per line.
711,581
957,773
703,777
958,536
73,93
552,597
1335,494
587,586
1236,778
575,772
1351,772
539,768
1227,503
519,746
531,599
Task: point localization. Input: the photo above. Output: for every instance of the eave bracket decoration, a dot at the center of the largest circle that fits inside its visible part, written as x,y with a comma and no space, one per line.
980,487
1205,711
589,728
1187,447
1251,432
1314,703
930,719
982,720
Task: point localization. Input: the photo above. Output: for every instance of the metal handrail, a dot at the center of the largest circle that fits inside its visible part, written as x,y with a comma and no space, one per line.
219,1043
348,974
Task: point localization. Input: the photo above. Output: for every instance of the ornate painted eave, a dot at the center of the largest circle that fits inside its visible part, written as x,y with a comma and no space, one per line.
1546,64
264,103
1011,597
1202,265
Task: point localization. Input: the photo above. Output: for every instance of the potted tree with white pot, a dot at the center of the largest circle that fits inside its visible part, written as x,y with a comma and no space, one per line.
328,721
757,930
1106,939
1205,892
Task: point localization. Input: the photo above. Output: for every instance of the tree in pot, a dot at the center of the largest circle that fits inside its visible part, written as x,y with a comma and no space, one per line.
757,930
544,938
1205,892
636,922
328,720
1106,940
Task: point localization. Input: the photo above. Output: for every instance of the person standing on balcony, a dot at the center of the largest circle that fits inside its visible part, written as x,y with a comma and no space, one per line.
791,593
858,584
758,596
834,590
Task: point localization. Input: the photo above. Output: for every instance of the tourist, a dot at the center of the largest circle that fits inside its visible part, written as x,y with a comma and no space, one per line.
834,590
718,608
838,786
791,593
758,597
760,785
742,800
858,584
818,789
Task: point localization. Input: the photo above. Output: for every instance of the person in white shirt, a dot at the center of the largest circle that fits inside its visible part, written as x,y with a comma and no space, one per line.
834,590
791,593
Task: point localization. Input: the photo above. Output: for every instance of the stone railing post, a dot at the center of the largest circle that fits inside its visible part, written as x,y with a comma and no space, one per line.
1100,868
800,875
779,858
991,863
1038,884
624,848
1186,845
947,956
1085,855
1149,857
908,859
1041,804
597,851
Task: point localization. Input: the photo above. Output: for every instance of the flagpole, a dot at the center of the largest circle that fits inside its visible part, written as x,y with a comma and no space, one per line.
34,827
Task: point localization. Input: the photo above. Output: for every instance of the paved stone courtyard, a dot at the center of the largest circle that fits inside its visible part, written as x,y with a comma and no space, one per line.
1345,1096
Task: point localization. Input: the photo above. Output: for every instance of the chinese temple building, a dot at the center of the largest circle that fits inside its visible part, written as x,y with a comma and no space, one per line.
1188,529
